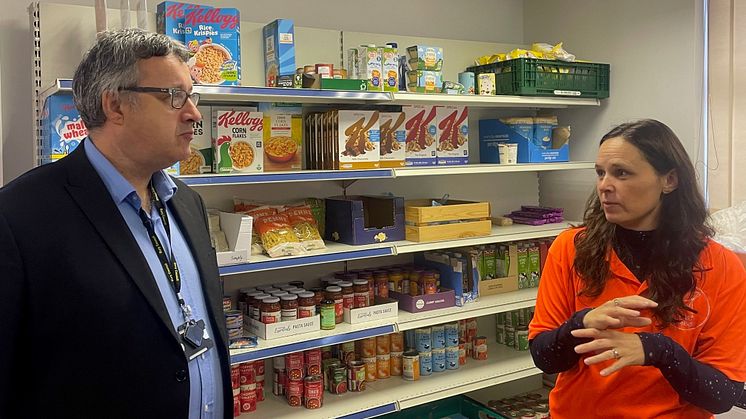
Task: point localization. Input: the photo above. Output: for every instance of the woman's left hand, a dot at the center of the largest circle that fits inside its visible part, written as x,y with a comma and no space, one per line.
610,345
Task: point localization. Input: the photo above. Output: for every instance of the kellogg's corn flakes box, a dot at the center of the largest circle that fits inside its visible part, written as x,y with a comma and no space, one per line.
200,157
62,128
169,18
453,135
279,50
212,37
421,126
238,140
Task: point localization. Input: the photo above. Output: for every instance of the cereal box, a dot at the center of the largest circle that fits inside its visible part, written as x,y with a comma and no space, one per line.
238,140
62,128
390,72
200,158
169,17
421,131
212,37
424,81
453,135
365,63
279,50
423,57
359,139
393,137
283,147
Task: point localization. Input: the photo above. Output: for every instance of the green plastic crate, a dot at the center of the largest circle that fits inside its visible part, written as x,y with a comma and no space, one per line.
534,77
453,407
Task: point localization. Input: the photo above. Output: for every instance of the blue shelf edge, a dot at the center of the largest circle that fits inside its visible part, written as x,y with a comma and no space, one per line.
287,177
372,412
310,344
305,260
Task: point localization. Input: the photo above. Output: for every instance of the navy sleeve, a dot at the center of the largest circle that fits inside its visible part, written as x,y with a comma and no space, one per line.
553,351
700,384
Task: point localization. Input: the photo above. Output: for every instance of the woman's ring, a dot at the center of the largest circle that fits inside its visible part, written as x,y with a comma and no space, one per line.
615,354
616,302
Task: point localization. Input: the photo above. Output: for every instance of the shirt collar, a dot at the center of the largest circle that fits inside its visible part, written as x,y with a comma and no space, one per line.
120,188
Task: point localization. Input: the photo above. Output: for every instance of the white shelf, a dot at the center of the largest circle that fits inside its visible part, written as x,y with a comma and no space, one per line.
384,396
486,305
497,101
473,169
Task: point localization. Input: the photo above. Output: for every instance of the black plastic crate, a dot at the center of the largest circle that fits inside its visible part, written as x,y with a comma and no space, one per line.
535,77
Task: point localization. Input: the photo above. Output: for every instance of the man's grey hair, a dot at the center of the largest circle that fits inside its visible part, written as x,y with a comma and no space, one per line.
111,65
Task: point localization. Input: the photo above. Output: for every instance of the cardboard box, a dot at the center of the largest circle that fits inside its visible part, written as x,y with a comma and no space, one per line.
424,81
344,84
417,304
358,139
364,219
62,128
212,36
390,69
365,62
282,136
421,126
493,132
285,329
238,140
453,135
279,50
497,285
383,309
393,139
534,262
423,57
237,229
200,159
523,268
456,273
170,16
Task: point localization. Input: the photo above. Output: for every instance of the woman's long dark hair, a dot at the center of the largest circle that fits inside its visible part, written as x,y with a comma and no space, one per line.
675,245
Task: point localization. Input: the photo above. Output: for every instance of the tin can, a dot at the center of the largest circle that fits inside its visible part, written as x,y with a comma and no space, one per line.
294,393
227,303
423,340
480,348
325,71
501,318
383,366
278,362
500,334
426,363
411,366
396,363
367,347
356,373
236,406
326,352
247,375
438,334
452,357
313,392
235,376
233,319
510,336
347,352
259,371
248,400
371,364
326,368
462,353
451,330
259,391
410,340
521,338
337,379
279,382
466,78
439,360
312,361
383,344
397,342
294,366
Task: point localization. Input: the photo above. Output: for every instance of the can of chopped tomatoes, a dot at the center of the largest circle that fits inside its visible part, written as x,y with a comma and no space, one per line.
313,391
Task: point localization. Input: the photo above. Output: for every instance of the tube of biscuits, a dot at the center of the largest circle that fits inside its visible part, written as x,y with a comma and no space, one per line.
101,22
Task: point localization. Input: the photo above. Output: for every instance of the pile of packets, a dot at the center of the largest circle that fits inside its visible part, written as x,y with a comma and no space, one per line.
533,215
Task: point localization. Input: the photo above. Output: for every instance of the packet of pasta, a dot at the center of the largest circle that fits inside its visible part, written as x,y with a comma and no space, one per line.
304,225
256,240
278,237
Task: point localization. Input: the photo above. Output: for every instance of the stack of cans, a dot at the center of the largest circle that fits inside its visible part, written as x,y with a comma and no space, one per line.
247,380
512,328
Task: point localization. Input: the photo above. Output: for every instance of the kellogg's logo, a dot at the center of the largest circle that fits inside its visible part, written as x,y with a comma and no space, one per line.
417,125
241,118
449,126
211,16
176,10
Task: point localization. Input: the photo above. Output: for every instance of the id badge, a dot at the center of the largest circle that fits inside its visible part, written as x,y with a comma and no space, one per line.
194,338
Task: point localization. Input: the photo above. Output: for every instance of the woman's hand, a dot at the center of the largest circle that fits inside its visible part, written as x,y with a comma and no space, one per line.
610,345
619,312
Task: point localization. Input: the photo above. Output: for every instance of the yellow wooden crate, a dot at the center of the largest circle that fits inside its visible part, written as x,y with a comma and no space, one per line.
455,220
448,231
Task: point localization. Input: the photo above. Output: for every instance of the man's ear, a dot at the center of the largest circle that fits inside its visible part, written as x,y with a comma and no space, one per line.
112,105
670,181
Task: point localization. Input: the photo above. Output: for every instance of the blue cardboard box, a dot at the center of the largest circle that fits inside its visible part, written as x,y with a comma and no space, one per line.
493,132
62,128
454,274
170,15
279,50
213,39
364,219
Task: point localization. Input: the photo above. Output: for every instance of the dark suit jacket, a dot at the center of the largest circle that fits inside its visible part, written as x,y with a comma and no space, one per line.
83,330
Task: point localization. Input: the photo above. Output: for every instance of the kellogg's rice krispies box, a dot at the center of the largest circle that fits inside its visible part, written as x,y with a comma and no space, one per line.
200,158
279,51
422,129
169,17
212,36
453,135
62,128
238,140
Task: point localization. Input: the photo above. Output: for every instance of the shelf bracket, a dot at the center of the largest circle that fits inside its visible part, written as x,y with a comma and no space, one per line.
344,184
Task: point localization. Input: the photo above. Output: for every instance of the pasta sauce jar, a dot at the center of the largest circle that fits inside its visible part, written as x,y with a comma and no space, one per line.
271,311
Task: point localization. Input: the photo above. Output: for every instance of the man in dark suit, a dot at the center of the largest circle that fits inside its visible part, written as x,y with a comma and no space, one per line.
110,299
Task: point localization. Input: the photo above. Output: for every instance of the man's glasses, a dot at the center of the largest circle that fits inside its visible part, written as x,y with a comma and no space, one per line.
178,96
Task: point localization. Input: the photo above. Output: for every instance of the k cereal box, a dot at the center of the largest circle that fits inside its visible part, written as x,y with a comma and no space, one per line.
238,140
169,18
453,135
358,139
393,136
212,37
283,136
421,127
200,158
62,128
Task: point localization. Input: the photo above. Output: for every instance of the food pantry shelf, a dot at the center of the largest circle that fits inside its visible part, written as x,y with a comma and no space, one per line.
486,101
280,177
345,332
472,169
384,396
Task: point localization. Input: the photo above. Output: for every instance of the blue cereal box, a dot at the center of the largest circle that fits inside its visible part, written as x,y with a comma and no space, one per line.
212,36
279,50
62,128
492,132
169,17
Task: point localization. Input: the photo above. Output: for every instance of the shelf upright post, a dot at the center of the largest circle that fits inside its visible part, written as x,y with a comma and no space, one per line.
36,103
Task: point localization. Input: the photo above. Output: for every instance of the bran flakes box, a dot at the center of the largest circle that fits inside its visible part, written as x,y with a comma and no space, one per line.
358,138
421,131
200,157
170,16
279,50
453,135
62,128
393,136
238,140
212,36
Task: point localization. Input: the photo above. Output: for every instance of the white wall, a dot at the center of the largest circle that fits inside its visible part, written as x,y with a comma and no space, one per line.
486,20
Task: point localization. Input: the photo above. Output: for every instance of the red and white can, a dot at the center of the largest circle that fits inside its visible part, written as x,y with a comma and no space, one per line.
313,391
294,366
247,374
248,400
294,393
313,361
259,391
259,371
279,382
235,376
236,405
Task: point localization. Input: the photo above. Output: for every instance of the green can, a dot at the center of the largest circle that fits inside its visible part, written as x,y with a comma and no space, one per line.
510,336
501,318
500,334
328,315
521,338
